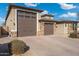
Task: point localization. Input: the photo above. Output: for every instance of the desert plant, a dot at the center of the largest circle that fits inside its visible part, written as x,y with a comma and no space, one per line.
18,47
77,35
73,35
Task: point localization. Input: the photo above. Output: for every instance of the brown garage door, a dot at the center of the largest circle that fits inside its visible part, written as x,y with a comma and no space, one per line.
26,23
48,28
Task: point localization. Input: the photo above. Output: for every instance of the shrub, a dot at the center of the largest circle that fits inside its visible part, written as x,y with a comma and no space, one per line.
77,35
73,35
18,47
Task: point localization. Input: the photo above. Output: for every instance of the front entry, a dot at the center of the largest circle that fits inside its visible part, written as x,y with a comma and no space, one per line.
48,28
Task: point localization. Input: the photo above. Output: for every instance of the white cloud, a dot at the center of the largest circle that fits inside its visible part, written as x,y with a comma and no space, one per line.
64,15
72,14
45,12
31,4
67,6
6,8
1,20
69,14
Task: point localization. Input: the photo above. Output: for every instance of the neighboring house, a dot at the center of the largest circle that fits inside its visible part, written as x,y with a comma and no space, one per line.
23,21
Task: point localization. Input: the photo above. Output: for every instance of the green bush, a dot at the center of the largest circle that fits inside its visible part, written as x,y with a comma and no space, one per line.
18,47
73,35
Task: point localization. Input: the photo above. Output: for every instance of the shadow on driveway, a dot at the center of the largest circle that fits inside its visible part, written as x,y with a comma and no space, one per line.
5,50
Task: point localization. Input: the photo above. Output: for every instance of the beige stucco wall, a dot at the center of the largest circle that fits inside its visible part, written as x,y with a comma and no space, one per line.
41,29
38,24
61,29
47,17
78,27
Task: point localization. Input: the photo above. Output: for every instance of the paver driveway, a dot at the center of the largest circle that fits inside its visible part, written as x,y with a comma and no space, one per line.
51,45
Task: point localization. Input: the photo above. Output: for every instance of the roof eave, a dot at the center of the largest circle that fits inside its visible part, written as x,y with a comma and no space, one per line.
10,6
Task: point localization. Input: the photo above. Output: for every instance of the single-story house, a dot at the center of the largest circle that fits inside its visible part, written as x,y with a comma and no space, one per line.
24,21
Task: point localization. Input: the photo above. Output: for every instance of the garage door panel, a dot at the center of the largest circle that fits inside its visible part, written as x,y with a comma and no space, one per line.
48,29
26,25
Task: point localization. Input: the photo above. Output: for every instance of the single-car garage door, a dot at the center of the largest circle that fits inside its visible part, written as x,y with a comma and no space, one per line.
26,23
48,28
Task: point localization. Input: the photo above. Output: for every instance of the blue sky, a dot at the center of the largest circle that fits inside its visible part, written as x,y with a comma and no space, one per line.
61,11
